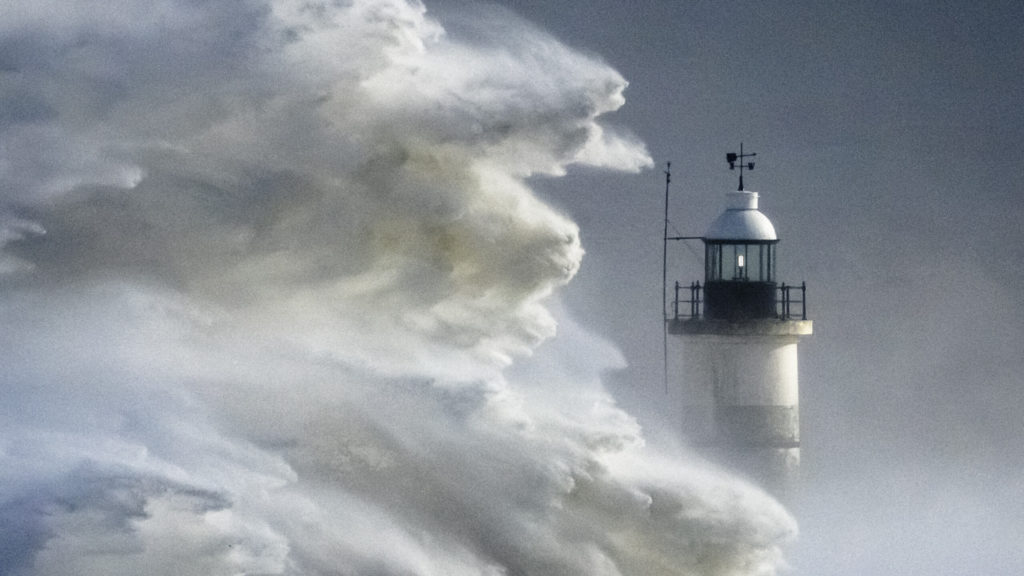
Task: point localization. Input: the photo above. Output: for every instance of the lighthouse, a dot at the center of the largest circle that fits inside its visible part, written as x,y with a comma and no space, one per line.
735,340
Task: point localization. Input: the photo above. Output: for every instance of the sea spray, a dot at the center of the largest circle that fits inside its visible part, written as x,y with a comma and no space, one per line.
275,299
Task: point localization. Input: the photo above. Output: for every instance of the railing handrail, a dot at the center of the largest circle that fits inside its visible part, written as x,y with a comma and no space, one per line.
783,303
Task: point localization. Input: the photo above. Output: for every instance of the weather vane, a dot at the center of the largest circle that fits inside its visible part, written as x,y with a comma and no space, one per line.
733,158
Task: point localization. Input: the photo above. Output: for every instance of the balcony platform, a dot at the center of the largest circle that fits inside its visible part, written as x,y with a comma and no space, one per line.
758,327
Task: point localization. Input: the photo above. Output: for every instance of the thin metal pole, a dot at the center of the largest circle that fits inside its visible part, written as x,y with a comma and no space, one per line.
664,283
741,167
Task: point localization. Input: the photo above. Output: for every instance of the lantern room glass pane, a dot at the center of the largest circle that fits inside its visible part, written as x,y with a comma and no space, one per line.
712,261
740,262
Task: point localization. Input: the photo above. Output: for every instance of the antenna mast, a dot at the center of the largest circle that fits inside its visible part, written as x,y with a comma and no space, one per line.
664,282
733,158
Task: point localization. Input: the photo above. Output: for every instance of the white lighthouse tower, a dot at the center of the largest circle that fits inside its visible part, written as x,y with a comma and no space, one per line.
736,338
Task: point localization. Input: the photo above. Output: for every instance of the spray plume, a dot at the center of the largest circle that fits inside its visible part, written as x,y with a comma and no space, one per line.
273,289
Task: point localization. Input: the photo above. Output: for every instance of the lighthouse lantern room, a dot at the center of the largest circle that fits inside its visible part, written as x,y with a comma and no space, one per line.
739,262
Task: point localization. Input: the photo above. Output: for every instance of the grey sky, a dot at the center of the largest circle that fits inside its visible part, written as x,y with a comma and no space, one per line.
890,160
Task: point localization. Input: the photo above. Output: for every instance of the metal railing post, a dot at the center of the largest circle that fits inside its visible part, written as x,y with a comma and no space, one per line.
696,299
675,303
803,300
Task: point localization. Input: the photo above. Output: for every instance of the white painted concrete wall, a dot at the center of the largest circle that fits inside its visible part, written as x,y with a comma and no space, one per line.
738,391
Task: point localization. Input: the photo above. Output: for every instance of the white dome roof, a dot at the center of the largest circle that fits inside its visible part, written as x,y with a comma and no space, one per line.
741,220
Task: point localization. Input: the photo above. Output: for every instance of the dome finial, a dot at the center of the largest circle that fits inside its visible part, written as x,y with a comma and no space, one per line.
732,158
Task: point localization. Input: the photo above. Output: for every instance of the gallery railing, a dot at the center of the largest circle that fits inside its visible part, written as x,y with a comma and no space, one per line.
790,302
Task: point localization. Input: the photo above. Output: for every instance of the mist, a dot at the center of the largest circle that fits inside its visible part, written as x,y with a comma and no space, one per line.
887,140
278,298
